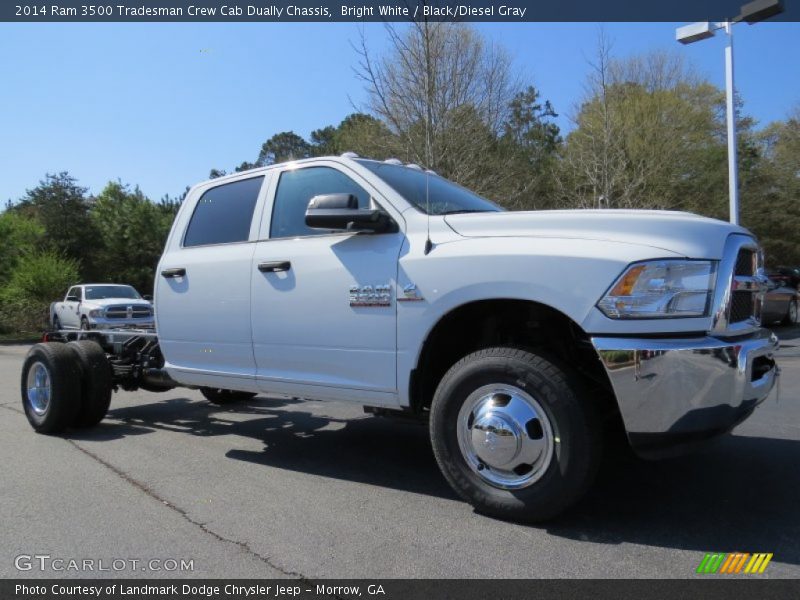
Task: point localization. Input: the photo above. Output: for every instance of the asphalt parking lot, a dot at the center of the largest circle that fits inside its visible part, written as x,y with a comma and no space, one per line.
279,488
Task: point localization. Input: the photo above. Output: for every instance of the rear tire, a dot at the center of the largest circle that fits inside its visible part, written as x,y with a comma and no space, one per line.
222,397
56,324
96,382
514,434
51,387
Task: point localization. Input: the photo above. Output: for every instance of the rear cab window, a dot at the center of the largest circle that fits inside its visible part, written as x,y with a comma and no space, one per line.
224,213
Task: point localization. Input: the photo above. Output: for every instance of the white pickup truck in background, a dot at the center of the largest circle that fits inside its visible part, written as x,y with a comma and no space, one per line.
101,306
522,339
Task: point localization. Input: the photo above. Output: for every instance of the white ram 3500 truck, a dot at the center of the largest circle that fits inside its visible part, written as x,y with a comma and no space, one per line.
520,335
101,306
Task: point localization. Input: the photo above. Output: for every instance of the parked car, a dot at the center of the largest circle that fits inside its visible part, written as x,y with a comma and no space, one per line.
102,306
514,336
779,304
789,276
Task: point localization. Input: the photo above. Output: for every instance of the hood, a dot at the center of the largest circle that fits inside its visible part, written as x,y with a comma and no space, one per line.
680,232
102,303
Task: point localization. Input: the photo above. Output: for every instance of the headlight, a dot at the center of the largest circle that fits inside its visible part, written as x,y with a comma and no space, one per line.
661,289
97,312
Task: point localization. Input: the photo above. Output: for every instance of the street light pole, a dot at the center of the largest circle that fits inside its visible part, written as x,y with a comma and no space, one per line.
752,12
730,98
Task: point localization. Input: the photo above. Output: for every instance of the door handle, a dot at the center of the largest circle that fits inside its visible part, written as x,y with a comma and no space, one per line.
170,273
275,266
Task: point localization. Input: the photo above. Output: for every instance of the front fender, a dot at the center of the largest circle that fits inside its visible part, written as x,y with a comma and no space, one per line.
565,274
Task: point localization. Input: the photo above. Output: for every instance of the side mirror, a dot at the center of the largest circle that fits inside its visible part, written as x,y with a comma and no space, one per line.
341,212
147,297
73,299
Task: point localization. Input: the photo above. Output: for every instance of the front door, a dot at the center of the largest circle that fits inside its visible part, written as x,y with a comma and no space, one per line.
69,312
324,315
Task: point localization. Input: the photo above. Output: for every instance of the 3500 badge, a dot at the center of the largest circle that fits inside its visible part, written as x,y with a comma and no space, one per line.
370,295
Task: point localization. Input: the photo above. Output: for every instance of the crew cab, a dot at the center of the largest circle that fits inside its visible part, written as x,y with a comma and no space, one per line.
101,306
521,338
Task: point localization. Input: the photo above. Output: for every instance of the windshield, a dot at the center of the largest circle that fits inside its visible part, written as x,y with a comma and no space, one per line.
446,197
101,292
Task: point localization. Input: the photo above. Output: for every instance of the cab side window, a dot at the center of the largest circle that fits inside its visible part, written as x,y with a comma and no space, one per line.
297,187
75,291
223,214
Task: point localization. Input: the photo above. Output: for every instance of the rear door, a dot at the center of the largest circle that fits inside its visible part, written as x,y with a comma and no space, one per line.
203,284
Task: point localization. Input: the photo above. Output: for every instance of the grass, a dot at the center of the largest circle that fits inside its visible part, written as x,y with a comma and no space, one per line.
20,337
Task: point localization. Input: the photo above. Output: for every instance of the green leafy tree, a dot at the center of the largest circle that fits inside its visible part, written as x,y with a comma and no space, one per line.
530,126
281,147
19,235
245,166
37,279
132,232
324,142
366,136
529,148
770,198
169,205
41,276
62,207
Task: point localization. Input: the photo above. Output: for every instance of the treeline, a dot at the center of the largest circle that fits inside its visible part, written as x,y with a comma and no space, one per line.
648,133
57,235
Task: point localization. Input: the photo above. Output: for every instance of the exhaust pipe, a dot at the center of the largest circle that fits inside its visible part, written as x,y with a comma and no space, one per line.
158,378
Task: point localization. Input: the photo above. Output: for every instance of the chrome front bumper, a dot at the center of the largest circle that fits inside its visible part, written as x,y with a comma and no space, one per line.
103,324
673,393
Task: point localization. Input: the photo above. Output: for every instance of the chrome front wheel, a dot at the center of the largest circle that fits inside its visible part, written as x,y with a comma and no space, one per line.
515,433
505,436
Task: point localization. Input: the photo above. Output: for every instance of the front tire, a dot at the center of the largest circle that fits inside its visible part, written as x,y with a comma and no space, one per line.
51,387
514,434
96,382
222,397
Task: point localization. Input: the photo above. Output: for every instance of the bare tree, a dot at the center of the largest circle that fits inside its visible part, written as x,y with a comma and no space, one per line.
442,89
594,162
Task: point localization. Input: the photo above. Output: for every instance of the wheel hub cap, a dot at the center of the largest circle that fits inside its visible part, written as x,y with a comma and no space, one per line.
496,440
39,389
505,436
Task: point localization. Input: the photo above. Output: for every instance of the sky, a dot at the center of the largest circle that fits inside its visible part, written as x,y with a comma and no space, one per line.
159,105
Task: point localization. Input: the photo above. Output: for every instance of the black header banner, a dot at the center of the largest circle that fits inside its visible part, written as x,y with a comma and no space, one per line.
383,10
715,588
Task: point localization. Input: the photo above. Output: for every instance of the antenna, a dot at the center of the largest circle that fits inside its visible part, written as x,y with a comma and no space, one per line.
428,150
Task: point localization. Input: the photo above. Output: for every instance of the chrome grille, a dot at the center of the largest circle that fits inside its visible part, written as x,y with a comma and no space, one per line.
740,287
122,312
745,287
746,262
742,306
